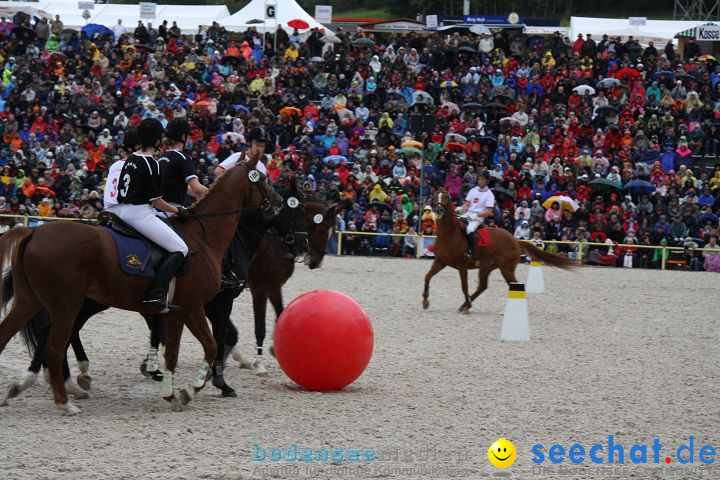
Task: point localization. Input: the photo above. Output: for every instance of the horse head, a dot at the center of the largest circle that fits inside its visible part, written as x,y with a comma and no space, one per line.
260,193
290,222
320,220
443,203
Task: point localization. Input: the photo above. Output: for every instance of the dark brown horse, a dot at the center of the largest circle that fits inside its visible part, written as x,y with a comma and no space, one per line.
503,253
274,264
56,266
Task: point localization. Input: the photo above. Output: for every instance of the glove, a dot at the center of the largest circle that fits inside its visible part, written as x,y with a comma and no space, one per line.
183,212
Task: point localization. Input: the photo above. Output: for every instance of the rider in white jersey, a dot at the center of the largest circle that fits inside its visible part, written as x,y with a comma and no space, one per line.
479,204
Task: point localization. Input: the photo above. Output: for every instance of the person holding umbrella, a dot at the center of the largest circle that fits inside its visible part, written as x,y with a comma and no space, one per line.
479,204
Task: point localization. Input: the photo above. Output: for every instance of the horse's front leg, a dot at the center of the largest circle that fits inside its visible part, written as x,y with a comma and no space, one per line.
467,304
434,269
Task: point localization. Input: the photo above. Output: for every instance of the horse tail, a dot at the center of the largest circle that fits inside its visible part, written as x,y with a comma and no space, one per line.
551,259
12,245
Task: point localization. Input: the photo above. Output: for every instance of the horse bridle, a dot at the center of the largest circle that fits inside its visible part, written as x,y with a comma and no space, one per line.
311,249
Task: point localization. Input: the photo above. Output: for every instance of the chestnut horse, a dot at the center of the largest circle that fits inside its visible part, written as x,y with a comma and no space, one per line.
57,265
503,253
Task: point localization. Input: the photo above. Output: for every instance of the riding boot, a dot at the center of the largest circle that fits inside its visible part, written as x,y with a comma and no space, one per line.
158,293
472,241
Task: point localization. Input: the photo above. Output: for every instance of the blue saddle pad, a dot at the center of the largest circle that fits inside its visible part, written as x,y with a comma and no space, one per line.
133,254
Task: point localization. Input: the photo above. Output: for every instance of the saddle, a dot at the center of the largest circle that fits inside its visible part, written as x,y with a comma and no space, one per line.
137,255
483,234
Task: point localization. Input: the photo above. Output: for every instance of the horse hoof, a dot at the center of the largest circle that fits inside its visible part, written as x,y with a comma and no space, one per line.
84,381
229,393
425,304
144,370
81,395
185,397
68,409
169,399
14,391
177,405
156,376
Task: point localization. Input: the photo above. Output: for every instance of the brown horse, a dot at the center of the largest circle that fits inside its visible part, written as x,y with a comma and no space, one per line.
503,253
57,265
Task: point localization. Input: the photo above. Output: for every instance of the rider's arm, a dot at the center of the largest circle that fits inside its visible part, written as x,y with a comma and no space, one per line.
486,212
195,188
163,206
465,206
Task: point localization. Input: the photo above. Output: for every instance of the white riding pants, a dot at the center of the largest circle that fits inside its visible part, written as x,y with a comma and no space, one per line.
142,218
473,222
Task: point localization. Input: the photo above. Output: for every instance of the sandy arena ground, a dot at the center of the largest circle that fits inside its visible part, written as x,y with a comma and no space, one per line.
630,353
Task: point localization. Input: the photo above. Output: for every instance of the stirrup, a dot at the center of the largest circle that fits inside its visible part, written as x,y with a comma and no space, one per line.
160,304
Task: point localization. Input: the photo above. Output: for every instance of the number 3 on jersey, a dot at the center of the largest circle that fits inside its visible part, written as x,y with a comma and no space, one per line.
125,185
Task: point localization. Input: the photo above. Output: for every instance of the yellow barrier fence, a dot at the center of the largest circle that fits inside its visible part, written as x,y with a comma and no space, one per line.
26,219
580,245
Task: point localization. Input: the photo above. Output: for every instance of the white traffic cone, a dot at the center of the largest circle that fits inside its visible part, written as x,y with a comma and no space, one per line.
515,325
535,282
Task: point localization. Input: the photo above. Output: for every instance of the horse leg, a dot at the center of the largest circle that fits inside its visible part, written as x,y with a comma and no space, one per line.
173,333
88,310
259,311
150,366
275,296
24,309
196,323
467,304
483,274
434,269
84,380
218,311
508,272
16,388
55,352
231,347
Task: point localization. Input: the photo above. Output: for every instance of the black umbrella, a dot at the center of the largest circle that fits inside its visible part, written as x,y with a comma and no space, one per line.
380,206
234,59
685,77
254,21
68,31
502,98
20,17
471,105
502,191
607,110
495,105
487,140
467,49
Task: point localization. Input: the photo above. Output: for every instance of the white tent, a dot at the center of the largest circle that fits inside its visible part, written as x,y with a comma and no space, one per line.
188,17
285,10
658,31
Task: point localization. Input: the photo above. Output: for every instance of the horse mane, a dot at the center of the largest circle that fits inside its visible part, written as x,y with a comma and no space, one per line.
200,202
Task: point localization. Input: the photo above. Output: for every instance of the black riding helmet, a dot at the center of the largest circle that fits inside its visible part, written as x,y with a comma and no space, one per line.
130,141
257,134
177,130
149,132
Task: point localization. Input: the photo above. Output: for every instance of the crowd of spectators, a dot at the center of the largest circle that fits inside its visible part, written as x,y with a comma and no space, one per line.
376,124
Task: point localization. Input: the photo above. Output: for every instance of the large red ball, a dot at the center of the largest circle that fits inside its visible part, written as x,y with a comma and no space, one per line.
323,340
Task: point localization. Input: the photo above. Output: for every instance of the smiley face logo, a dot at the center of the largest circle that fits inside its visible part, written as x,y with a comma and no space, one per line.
502,453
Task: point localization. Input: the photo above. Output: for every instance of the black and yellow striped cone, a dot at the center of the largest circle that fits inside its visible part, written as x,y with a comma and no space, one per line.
535,283
515,325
